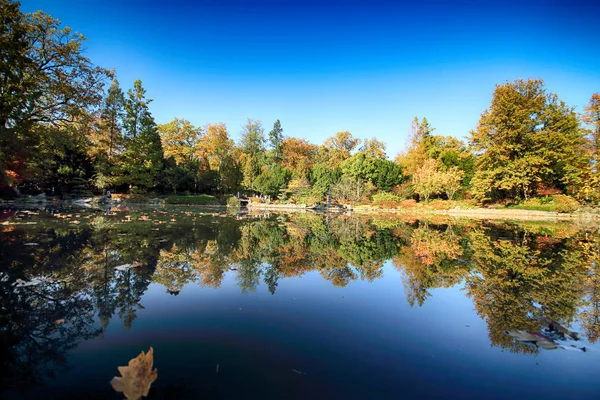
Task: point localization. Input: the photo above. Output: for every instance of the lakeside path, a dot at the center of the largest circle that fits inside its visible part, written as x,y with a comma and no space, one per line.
474,213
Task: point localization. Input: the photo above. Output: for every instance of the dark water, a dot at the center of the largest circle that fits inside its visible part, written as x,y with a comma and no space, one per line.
297,306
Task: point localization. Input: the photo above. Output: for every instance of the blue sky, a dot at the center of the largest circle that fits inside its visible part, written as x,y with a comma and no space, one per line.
322,66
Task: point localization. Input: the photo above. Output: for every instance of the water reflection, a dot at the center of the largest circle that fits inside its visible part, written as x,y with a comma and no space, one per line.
85,268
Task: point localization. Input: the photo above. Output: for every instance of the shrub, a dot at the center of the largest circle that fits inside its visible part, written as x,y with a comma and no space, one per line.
233,202
385,196
565,204
440,204
410,203
386,200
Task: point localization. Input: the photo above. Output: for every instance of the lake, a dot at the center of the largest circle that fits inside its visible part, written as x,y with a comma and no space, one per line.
297,306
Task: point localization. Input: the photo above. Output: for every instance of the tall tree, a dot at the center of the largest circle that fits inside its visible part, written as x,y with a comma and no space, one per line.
527,139
106,139
44,78
143,156
419,141
222,155
252,145
252,140
137,112
590,188
275,140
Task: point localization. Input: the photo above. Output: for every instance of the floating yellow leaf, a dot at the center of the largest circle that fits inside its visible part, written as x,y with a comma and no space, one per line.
137,377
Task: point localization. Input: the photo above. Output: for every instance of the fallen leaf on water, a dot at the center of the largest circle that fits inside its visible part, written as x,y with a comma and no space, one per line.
137,377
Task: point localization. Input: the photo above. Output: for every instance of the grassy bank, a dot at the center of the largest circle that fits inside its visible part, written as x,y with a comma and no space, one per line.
199,200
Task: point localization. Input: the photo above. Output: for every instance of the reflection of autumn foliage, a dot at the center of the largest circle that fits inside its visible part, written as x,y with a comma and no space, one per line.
590,311
334,268
430,261
430,245
211,264
516,284
174,269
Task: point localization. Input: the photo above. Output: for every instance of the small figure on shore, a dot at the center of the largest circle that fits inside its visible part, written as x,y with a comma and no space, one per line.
108,195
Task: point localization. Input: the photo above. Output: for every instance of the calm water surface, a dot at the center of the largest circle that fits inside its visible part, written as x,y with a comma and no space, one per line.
297,306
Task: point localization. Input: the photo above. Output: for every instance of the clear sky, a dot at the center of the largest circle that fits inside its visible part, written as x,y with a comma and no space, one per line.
323,66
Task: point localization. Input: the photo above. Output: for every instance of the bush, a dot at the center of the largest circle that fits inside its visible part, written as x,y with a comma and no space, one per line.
385,196
386,200
233,202
565,204
440,204
411,203
560,203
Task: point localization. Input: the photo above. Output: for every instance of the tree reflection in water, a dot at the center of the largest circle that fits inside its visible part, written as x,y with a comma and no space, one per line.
519,277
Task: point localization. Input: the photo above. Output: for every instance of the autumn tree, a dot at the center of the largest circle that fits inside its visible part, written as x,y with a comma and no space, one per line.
298,155
451,181
419,141
107,140
527,138
180,139
219,149
427,180
374,148
339,147
591,116
590,187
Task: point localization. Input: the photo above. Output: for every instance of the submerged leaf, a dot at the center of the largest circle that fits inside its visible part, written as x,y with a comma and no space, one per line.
137,377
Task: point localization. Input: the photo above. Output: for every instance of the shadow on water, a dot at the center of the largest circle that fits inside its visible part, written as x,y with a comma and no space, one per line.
67,275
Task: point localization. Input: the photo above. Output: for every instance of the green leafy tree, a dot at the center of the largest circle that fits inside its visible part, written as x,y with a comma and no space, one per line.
275,139
45,78
143,157
382,173
252,142
137,114
322,177
272,180
106,139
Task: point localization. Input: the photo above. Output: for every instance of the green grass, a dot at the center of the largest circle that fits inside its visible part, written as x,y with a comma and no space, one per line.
198,199
532,207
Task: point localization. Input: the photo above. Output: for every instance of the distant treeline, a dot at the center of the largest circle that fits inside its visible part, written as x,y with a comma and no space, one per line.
67,127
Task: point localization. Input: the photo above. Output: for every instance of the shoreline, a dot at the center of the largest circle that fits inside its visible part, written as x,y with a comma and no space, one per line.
472,213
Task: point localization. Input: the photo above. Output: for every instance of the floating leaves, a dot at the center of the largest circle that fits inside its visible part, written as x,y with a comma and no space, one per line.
137,377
